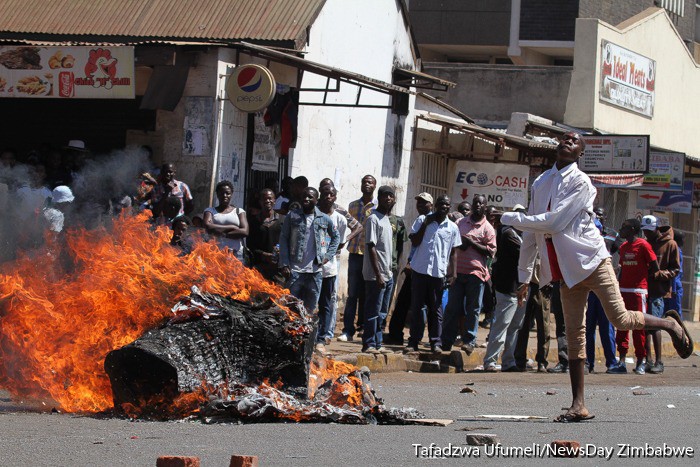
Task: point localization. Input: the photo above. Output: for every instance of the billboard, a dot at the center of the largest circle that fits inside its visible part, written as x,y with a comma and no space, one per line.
665,171
667,201
67,72
615,154
627,79
503,185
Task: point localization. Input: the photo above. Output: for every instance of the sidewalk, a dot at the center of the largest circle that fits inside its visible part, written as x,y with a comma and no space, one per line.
458,361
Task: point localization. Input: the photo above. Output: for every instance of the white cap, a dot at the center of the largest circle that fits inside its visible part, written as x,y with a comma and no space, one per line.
76,144
649,222
425,197
518,207
62,194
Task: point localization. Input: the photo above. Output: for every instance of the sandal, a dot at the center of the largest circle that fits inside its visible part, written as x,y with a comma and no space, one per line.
683,345
571,417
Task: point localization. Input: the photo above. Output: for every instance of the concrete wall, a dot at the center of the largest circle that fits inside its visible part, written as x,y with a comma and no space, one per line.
677,78
347,143
196,171
493,92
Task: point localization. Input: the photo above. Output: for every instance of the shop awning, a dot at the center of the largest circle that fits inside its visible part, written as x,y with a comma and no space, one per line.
617,180
420,80
519,142
337,74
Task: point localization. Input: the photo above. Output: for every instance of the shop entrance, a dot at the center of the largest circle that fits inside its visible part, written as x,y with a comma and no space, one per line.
101,123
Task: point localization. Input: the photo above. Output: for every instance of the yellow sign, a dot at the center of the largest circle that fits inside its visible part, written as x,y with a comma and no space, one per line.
251,88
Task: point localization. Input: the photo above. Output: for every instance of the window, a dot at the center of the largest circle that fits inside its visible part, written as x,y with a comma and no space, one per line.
676,7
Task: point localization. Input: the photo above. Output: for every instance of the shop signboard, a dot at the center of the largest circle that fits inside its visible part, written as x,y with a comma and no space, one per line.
667,201
503,185
615,154
627,79
67,72
251,88
665,171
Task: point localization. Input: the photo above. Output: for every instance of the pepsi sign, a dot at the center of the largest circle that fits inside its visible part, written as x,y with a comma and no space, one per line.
251,88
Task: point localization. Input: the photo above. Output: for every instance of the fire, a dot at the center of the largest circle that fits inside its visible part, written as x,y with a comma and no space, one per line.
324,369
63,308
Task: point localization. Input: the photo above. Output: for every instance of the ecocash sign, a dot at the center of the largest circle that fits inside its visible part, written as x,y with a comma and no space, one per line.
499,180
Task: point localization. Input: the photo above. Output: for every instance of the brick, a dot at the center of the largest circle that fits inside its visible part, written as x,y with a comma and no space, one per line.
566,448
177,461
243,461
482,439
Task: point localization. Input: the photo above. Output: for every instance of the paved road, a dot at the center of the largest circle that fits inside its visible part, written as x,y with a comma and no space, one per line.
32,438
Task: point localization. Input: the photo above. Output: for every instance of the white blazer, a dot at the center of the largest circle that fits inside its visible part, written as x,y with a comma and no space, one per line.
561,205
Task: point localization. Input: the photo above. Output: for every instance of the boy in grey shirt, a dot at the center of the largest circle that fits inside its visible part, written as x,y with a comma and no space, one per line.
376,269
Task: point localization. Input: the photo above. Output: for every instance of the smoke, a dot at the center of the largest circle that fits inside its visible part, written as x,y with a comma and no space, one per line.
99,187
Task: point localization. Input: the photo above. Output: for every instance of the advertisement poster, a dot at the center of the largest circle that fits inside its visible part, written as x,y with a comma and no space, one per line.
67,72
696,192
504,185
265,157
665,171
627,79
616,154
199,113
667,201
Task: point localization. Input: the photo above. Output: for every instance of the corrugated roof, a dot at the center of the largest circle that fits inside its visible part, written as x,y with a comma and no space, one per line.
265,20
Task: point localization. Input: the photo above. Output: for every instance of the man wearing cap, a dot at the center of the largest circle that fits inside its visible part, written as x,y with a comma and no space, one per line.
478,239
424,206
660,282
559,225
376,270
435,238
61,197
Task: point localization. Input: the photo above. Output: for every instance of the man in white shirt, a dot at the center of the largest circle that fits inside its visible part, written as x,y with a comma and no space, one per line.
435,238
560,224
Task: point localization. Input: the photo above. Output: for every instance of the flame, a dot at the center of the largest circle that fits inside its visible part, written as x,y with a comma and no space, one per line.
324,369
57,326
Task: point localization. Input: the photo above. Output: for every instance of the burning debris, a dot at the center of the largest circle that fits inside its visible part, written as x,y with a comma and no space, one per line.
215,359
236,348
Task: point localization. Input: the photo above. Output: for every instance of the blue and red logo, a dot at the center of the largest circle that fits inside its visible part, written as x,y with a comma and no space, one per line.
249,79
251,87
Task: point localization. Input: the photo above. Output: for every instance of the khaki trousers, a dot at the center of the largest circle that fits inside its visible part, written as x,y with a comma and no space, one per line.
574,300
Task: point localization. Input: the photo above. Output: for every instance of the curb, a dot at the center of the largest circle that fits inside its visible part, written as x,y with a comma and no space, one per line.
454,362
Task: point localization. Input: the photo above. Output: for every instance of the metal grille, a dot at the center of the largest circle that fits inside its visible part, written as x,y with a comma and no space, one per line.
255,179
677,7
434,177
684,223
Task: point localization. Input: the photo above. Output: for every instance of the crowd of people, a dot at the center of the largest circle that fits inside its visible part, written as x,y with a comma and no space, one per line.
461,263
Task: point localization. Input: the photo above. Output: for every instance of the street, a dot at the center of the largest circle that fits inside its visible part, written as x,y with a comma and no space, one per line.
34,438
